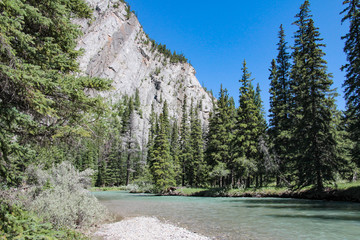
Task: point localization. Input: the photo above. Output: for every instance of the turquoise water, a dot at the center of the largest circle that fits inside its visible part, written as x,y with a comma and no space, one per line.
243,218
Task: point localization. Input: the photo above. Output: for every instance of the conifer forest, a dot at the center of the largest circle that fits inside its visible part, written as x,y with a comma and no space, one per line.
306,140
49,116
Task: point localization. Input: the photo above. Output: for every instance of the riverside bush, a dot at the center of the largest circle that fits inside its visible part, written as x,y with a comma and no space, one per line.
16,223
60,196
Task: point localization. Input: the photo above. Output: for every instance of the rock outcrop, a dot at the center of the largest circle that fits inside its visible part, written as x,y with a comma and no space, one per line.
116,47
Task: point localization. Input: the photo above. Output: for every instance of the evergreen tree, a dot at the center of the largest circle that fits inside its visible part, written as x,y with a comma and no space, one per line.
197,171
247,129
313,135
40,95
220,136
175,152
185,148
137,100
352,68
161,164
280,125
262,137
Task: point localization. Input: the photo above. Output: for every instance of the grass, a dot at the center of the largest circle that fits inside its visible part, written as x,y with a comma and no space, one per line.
190,191
342,191
100,189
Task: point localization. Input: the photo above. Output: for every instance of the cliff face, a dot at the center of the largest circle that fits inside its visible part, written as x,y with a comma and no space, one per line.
116,47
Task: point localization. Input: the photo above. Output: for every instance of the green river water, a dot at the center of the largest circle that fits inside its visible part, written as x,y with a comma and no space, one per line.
243,218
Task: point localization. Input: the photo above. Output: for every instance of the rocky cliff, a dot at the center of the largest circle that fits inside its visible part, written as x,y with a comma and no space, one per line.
117,47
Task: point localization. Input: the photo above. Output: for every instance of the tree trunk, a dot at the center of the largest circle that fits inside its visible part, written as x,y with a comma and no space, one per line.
248,182
354,179
128,169
319,183
278,181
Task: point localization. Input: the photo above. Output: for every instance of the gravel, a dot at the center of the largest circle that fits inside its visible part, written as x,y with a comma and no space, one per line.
148,228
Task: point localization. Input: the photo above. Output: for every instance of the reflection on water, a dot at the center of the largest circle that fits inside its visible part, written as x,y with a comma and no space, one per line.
243,218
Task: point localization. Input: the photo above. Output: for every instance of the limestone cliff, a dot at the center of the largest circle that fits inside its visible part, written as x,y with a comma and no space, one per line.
116,47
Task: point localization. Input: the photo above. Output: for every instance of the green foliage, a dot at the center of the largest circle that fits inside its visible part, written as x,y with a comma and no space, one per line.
352,69
16,223
248,128
220,136
59,197
198,169
313,138
160,161
280,124
41,97
185,147
174,57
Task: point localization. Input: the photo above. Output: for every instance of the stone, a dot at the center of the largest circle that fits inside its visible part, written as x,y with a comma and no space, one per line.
117,48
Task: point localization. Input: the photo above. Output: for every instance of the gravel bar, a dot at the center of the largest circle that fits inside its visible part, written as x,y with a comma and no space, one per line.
148,228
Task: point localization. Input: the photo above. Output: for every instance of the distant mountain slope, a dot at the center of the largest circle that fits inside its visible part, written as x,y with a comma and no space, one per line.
116,47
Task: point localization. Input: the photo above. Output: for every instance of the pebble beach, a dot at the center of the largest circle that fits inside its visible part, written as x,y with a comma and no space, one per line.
148,228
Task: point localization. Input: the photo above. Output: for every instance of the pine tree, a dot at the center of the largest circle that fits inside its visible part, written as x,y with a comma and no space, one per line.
262,137
220,136
280,96
247,129
198,169
40,95
185,148
175,152
352,68
161,164
313,105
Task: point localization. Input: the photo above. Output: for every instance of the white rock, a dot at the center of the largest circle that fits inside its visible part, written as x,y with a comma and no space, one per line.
145,228
115,48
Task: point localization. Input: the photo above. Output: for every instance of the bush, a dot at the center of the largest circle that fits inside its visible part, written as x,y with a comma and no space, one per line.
60,196
16,223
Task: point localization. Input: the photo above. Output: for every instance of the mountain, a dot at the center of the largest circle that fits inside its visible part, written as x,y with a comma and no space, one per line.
116,47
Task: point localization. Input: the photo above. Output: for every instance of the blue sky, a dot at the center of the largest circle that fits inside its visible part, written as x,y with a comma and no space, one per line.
216,36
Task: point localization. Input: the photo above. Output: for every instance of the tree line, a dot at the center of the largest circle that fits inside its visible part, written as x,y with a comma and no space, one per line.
307,141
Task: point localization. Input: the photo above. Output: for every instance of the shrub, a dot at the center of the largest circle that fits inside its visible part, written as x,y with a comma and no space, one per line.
61,198
16,223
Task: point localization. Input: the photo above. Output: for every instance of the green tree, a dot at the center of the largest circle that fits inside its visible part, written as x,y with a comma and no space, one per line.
313,137
175,152
40,95
161,164
352,69
198,168
247,129
185,148
220,137
280,96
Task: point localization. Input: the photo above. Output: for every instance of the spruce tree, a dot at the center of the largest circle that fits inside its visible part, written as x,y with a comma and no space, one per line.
185,148
314,152
161,164
247,129
220,136
280,95
198,171
175,152
40,95
352,68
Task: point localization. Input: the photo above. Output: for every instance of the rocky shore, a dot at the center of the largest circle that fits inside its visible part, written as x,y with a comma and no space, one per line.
144,228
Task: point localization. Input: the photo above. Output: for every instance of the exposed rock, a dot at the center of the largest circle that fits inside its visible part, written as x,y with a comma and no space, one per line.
116,47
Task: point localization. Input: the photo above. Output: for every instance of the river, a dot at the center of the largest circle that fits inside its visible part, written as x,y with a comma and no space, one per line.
243,218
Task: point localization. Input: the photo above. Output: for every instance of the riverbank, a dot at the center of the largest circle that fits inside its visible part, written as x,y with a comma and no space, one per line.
144,228
347,192
350,194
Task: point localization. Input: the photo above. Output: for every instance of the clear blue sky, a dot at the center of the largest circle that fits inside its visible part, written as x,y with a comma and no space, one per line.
216,36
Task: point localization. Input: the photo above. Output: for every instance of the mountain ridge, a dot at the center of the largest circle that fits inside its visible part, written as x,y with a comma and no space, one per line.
116,47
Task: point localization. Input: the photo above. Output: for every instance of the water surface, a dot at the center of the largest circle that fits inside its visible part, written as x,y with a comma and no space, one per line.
243,218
